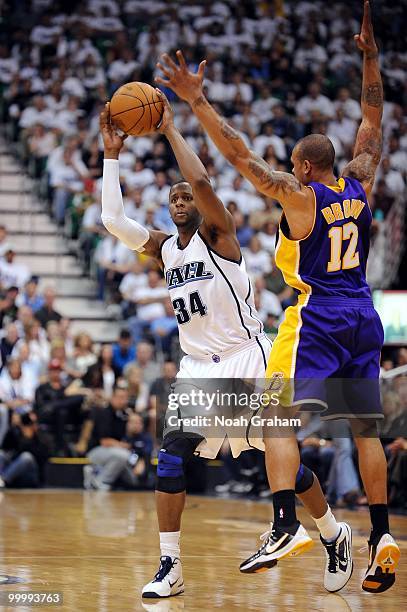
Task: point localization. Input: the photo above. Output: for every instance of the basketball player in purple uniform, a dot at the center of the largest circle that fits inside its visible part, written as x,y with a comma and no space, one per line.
333,331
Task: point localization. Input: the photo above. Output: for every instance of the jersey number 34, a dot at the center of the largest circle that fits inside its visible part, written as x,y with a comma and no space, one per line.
350,258
183,312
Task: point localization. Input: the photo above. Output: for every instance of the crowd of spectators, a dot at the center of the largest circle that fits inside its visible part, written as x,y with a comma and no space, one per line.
277,70
65,395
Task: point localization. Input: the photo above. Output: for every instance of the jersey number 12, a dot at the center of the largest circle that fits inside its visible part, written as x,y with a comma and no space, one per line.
350,259
196,306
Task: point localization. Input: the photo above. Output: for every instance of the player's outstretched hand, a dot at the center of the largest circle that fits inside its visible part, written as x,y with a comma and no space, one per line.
187,85
112,139
365,40
167,119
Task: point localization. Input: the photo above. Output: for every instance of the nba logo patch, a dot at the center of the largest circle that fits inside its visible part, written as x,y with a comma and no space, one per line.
276,381
216,358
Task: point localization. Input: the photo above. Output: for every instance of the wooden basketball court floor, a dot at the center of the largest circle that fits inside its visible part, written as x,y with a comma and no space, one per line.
99,549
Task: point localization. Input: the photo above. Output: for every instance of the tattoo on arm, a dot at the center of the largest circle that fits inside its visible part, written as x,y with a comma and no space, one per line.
372,94
228,132
369,140
234,147
367,155
201,101
270,179
362,168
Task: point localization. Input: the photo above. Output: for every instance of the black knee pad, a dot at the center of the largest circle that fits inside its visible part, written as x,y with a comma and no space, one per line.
174,454
304,479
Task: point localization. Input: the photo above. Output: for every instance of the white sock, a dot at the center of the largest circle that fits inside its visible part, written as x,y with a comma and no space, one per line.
169,543
327,525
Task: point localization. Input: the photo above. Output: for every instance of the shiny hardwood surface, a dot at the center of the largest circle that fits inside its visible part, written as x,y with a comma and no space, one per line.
100,548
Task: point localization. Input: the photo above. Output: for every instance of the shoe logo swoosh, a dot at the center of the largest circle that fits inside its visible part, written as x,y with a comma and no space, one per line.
276,545
344,559
172,584
343,564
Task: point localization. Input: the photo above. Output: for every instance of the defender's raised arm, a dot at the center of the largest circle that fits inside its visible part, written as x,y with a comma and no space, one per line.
368,147
188,86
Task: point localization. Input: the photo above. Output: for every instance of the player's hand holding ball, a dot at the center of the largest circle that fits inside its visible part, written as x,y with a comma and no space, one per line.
112,138
167,120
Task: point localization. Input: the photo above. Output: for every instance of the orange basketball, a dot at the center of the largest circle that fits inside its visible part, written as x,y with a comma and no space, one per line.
136,108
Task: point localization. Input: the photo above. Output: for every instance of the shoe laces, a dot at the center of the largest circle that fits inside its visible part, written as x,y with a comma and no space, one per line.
166,565
332,556
267,534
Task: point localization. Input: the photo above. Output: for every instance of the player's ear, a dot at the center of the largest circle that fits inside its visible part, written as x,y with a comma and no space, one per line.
306,166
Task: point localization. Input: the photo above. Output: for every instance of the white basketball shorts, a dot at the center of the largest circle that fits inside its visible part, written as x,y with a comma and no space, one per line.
216,396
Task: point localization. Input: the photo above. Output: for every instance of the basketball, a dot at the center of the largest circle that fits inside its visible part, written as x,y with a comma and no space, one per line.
136,108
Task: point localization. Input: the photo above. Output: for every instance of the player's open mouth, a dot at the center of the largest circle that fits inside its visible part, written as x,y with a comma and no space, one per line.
181,214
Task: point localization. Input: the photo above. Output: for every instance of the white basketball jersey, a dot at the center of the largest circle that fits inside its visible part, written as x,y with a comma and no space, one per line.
211,295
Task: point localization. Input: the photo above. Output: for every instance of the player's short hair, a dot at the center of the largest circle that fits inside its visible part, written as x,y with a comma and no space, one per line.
317,149
182,182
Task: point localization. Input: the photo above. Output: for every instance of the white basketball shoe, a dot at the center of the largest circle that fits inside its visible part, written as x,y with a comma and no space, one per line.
339,563
168,581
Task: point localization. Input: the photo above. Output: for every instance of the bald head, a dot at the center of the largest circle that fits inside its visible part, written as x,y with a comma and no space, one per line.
317,149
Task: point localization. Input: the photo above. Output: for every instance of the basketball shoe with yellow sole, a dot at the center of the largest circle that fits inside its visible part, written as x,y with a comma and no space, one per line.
383,561
276,545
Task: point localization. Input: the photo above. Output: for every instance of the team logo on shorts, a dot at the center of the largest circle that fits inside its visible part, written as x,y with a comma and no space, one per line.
276,381
216,358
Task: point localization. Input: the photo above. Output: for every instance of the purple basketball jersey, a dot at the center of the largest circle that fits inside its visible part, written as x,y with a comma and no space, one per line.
331,260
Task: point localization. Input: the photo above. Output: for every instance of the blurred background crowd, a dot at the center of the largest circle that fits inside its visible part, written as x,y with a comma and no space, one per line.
277,70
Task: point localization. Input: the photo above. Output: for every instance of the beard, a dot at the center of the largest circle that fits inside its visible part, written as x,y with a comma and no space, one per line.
191,220
184,222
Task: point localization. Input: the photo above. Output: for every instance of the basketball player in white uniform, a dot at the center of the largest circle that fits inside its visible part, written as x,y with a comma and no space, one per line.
219,329
213,302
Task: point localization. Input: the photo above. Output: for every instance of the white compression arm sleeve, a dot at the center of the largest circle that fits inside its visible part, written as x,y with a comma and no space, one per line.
131,233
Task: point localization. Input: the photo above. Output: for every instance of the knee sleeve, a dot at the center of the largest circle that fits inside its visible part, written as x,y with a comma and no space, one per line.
172,459
304,479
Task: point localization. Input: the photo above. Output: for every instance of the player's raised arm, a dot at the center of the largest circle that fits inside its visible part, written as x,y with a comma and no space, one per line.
368,147
279,185
194,172
131,233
